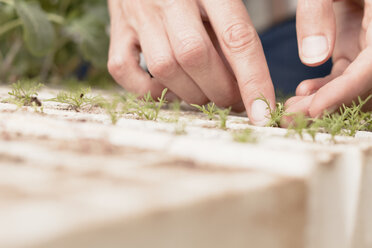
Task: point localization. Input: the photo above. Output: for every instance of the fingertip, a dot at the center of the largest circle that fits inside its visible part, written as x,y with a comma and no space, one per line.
293,100
317,110
260,113
296,105
316,31
315,50
321,105
304,89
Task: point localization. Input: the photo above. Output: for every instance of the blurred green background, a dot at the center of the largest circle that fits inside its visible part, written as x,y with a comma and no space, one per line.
54,42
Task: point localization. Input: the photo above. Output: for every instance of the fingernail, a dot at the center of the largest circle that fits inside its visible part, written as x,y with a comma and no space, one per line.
314,49
260,113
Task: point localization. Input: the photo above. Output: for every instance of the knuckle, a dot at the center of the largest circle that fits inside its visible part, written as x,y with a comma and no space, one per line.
162,68
117,66
192,52
239,36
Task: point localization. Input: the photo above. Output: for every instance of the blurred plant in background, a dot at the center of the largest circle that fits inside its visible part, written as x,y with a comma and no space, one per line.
54,41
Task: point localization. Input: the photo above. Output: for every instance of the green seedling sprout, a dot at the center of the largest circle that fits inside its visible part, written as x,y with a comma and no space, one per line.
78,99
176,108
356,119
347,121
299,125
223,114
176,111
275,114
25,94
244,136
180,128
312,129
111,109
145,108
129,102
210,110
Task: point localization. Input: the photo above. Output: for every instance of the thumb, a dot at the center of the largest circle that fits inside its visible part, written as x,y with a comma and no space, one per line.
316,31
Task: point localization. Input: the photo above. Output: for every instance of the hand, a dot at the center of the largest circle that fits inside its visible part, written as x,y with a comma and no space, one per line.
350,45
201,50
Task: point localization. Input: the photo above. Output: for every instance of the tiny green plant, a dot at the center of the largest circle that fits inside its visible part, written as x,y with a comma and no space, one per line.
176,108
24,93
299,125
347,121
111,109
244,136
78,98
174,117
210,110
275,114
129,103
223,114
180,128
145,108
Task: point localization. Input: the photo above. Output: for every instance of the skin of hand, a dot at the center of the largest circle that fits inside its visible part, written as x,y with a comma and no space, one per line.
343,30
201,50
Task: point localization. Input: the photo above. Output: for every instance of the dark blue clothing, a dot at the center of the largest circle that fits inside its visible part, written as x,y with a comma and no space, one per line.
286,69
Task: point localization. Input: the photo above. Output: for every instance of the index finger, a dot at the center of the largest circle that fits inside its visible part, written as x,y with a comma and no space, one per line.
242,47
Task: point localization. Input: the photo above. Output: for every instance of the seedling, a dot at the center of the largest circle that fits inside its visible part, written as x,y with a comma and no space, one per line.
25,94
299,125
210,110
244,136
348,121
275,114
129,103
176,110
111,109
312,129
145,108
223,114
180,128
78,99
